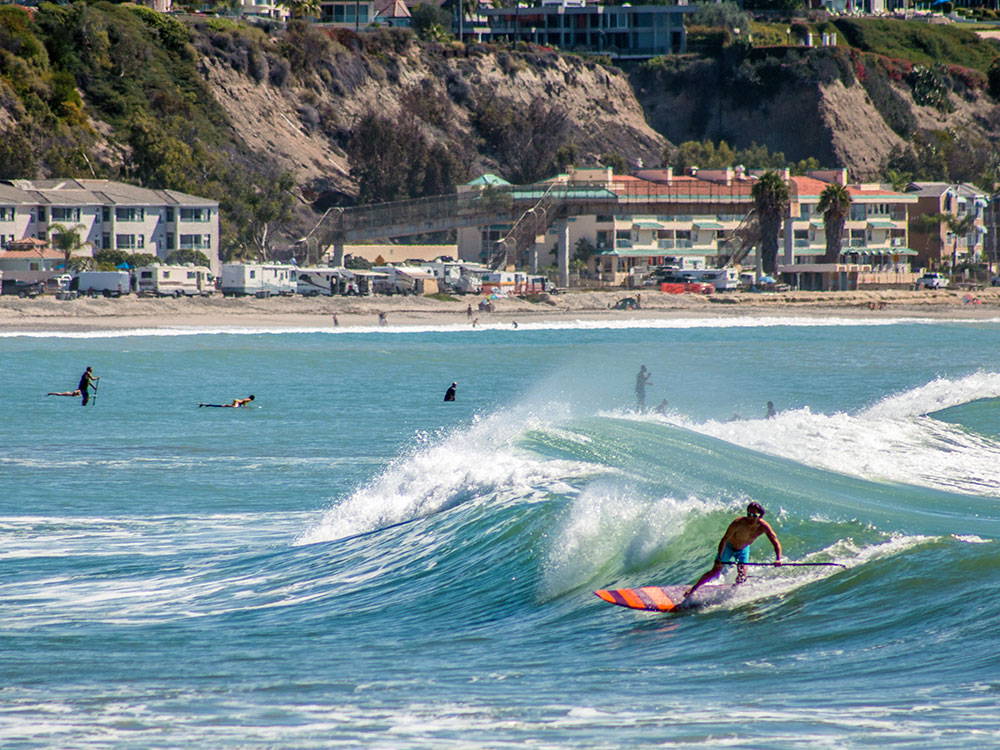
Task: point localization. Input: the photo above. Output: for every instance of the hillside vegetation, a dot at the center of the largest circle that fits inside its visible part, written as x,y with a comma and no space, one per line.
279,126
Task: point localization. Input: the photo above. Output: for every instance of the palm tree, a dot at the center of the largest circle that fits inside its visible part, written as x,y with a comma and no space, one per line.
835,205
958,227
770,195
67,241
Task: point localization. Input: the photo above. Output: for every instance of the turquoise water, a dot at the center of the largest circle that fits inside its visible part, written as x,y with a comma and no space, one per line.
354,562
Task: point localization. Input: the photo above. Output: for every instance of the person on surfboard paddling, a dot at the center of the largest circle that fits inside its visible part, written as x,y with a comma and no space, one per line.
235,404
735,545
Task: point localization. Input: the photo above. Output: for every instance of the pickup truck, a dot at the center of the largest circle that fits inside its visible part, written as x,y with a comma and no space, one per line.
932,281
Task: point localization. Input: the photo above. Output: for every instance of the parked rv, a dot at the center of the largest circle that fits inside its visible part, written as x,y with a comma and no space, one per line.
723,279
174,281
314,282
258,279
108,283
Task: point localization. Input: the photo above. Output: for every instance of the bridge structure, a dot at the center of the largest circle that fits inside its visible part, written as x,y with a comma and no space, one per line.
531,210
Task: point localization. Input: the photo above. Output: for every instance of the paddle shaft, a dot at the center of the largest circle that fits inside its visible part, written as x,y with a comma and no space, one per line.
787,564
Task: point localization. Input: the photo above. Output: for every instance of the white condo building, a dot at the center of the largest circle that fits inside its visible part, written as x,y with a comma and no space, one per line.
110,215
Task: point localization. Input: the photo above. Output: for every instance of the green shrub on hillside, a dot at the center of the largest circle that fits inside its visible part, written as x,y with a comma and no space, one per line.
926,44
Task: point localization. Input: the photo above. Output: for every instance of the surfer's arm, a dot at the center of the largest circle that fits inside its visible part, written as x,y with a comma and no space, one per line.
773,539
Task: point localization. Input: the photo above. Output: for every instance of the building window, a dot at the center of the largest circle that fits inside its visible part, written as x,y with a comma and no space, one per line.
858,212
196,241
6,213
130,241
130,213
65,214
195,214
105,213
170,241
41,213
170,213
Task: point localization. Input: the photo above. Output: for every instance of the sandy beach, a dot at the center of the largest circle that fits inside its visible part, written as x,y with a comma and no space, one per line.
46,314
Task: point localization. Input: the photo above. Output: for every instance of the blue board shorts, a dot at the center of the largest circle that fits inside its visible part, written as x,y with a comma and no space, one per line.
735,555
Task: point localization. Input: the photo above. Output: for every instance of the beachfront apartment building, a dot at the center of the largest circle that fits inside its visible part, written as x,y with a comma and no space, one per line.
110,215
933,236
875,246
700,221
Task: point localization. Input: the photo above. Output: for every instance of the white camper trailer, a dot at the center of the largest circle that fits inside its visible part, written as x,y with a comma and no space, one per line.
174,281
258,279
108,283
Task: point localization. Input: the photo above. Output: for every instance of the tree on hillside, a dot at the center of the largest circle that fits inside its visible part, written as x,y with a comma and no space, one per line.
67,240
182,257
835,205
301,8
770,196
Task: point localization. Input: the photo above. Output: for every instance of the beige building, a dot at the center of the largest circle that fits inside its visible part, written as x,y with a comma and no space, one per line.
110,215
700,221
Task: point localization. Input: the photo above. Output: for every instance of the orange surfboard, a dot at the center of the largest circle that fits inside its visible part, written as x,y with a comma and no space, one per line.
664,598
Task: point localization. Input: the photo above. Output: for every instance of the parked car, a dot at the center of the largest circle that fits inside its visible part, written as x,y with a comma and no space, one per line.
932,281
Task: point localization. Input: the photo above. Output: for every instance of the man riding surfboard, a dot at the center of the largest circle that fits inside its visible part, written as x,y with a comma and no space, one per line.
735,545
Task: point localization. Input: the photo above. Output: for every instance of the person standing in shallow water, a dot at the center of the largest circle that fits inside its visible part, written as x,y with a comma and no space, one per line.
449,395
641,381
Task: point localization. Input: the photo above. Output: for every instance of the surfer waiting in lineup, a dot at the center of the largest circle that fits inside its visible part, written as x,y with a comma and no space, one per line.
449,395
235,404
87,381
641,381
735,545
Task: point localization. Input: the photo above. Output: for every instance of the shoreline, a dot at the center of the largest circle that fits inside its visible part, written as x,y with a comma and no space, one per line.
46,315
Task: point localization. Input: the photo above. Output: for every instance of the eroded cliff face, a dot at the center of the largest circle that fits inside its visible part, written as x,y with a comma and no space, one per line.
306,122
811,103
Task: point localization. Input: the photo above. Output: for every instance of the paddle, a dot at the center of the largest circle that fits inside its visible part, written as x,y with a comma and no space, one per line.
788,564
93,398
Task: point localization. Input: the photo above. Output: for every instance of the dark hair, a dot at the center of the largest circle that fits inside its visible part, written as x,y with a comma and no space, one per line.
755,509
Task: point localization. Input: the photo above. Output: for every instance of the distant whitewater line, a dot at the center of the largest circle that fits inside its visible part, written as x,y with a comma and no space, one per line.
465,328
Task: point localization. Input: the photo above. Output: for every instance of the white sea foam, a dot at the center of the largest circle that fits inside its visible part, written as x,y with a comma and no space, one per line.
479,461
940,393
576,324
608,528
889,441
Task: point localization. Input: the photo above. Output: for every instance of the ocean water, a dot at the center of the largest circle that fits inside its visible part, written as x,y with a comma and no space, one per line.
355,563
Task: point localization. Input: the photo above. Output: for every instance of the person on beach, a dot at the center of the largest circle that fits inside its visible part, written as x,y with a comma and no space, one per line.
235,404
641,381
735,545
335,321
87,381
468,312
382,321
449,395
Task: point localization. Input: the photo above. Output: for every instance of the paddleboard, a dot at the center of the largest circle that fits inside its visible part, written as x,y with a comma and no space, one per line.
666,598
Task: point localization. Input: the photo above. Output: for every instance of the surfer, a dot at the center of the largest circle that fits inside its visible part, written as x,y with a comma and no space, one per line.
87,381
771,413
449,395
641,381
235,404
735,545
